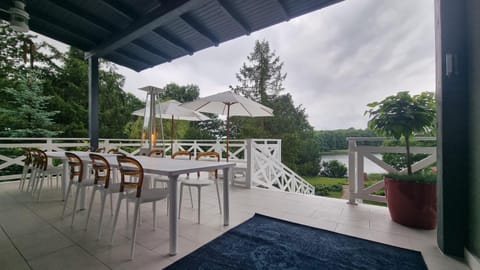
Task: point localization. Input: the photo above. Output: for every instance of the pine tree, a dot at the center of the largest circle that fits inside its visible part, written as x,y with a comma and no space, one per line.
261,79
23,113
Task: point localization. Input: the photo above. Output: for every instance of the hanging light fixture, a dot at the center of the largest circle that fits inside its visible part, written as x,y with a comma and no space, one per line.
18,16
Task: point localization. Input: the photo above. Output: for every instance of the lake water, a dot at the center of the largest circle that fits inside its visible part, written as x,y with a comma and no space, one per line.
369,166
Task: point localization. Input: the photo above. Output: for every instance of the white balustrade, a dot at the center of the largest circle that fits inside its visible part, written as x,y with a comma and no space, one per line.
258,159
357,154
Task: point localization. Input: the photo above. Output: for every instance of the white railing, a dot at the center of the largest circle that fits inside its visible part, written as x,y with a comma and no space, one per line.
259,159
267,170
356,155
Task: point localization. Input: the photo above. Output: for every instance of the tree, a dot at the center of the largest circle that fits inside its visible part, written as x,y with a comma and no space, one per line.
182,94
262,78
59,82
23,112
24,65
403,115
337,139
70,96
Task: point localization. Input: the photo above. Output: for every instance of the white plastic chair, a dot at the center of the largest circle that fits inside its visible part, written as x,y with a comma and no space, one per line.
78,179
27,167
103,184
199,183
131,189
43,172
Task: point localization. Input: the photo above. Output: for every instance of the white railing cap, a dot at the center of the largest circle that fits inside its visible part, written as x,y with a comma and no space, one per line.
388,138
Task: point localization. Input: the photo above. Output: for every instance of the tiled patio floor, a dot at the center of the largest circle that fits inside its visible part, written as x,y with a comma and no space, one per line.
33,235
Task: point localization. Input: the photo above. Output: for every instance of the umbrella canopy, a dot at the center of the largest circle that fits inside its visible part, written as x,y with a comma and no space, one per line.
221,102
230,104
171,109
167,109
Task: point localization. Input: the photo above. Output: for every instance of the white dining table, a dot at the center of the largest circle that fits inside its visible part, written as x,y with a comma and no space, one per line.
171,168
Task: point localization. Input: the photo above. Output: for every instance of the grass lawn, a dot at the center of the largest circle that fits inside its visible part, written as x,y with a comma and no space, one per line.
328,181
335,152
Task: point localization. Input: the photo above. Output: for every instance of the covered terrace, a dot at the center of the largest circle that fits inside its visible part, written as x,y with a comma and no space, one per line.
142,34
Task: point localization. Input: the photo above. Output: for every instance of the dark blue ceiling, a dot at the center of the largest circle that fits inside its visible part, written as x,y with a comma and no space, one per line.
144,33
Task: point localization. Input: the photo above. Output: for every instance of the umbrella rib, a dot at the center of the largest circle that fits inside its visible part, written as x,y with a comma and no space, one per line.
203,105
241,104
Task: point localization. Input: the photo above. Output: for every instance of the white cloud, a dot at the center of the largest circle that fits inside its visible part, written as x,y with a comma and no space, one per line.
337,59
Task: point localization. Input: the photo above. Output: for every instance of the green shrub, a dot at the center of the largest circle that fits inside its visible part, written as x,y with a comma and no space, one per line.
335,188
324,190
333,168
321,190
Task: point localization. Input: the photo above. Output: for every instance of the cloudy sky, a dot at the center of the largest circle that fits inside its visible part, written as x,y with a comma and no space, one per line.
337,59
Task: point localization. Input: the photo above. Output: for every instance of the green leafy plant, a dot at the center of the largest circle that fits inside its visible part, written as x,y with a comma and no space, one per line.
326,190
333,168
403,115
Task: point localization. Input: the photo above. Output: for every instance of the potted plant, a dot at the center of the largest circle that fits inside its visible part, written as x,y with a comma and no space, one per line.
411,198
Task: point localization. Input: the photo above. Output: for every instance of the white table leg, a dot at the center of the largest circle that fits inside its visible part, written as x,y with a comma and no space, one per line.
227,172
173,211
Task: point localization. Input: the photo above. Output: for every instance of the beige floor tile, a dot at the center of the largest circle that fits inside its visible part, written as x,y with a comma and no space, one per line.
29,223
71,258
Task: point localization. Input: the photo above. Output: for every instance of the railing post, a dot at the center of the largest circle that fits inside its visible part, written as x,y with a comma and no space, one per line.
352,144
49,144
218,147
250,157
106,144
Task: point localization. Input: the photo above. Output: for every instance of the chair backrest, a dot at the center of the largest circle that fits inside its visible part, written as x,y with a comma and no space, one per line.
131,174
100,150
209,156
40,159
76,166
101,168
113,151
156,153
182,153
36,160
28,157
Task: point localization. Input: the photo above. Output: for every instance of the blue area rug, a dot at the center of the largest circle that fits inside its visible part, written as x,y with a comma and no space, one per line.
263,242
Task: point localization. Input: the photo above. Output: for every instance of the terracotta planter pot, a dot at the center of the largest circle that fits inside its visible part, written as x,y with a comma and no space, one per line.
412,204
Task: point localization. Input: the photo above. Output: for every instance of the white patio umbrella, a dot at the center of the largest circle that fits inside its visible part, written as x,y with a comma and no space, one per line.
171,109
230,104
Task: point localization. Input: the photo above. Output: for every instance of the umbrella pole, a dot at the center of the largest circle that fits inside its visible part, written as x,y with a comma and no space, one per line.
171,137
228,126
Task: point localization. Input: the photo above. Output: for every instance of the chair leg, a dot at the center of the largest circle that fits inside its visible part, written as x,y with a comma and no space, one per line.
134,232
190,192
40,187
154,208
69,189
90,207
33,174
218,196
24,178
77,192
103,197
199,196
40,176
115,219
111,204
181,198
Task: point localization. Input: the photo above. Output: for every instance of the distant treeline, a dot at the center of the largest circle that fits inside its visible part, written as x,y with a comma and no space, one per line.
330,140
